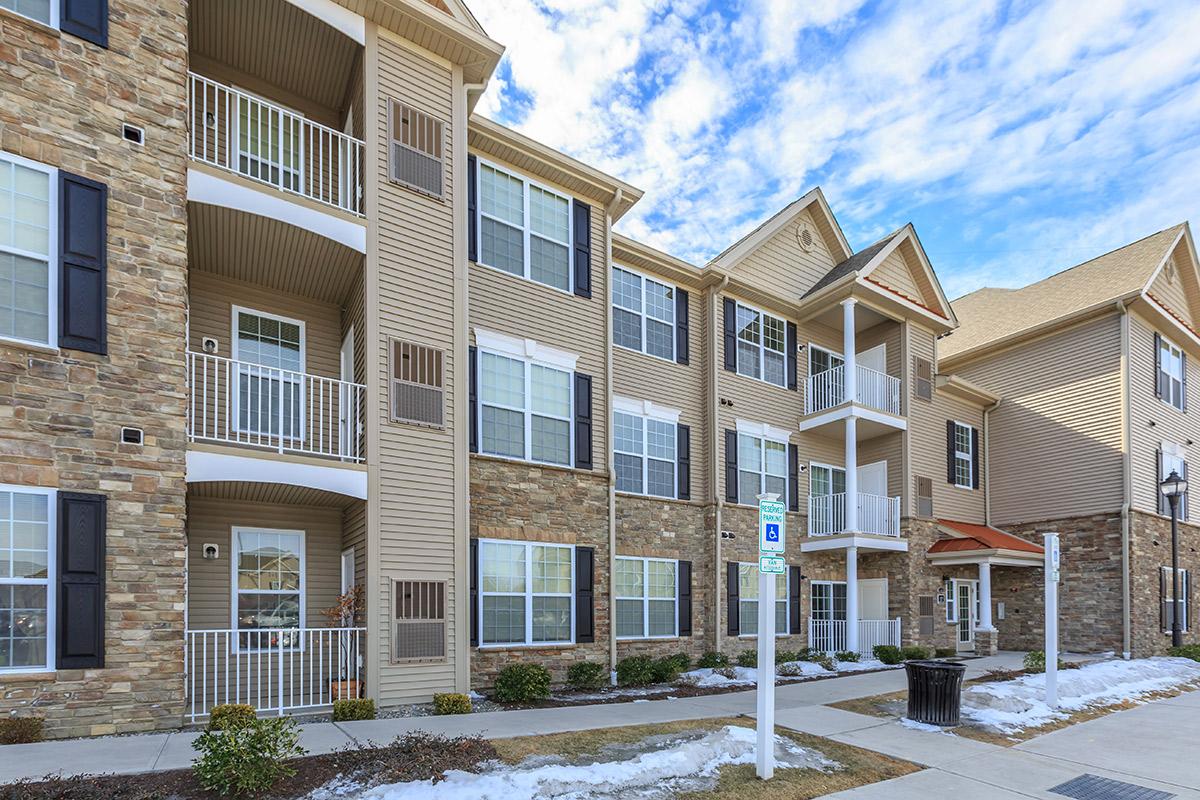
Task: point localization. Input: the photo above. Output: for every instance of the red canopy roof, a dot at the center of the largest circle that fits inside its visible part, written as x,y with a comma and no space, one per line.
969,536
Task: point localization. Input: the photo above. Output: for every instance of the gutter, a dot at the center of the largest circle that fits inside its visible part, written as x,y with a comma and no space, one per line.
618,196
1127,482
713,448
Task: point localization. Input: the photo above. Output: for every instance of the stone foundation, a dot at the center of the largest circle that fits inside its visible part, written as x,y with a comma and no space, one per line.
986,642
742,522
1150,551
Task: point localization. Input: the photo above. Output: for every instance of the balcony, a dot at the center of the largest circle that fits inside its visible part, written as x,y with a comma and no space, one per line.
250,405
873,389
273,145
877,515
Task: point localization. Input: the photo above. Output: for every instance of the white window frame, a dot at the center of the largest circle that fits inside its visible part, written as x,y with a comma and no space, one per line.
787,602
300,381
813,347
765,433
528,594
1183,597
51,256
644,314
1174,384
54,22
531,354
952,606
50,581
526,227
646,411
235,591
968,455
762,344
645,598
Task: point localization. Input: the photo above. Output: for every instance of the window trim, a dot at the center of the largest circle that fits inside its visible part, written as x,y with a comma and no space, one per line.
526,229
969,455
646,411
50,581
645,599
764,433
54,23
528,594
762,344
527,411
234,590
786,600
1183,597
1174,351
54,233
644,315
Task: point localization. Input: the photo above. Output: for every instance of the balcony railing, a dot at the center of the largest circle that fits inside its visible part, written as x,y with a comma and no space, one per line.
241,403
829,635
873,389
276,670
245,134
877,514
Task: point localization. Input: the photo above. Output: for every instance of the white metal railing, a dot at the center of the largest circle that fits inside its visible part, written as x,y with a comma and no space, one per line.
876,514
248,404
275,670
269,143
872,388
829,635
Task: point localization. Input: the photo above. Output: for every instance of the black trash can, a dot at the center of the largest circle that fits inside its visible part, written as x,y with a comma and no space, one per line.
934,691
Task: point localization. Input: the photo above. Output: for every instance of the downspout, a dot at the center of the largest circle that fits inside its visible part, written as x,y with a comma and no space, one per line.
618,196
713,449
1127,483
987,462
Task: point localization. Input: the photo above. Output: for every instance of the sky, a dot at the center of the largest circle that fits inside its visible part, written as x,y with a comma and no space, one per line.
1019,137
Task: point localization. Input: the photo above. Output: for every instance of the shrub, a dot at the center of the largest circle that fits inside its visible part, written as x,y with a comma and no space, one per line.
665,670
887,653
712,660
1035,662
824,660
246,758
944,652
353,709
451,703
635,671
846,655
682,661
748,658
784,656
522,683
790,670
1191,651
21,730
226,714
914,652
586,675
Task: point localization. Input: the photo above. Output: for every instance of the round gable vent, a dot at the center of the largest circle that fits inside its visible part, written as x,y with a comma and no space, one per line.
804,238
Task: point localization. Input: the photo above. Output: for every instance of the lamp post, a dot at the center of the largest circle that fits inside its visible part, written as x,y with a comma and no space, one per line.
1173,487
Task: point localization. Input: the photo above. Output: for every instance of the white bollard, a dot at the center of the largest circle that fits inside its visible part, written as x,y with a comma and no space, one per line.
766,676
1052,575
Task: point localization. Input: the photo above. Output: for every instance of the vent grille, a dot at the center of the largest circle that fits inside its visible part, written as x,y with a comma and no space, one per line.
418,393
804,238
416,149
923,385
419,620
924,497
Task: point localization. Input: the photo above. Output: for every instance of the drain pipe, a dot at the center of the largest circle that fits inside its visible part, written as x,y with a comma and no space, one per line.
1127,476
608,440
714,438
987,462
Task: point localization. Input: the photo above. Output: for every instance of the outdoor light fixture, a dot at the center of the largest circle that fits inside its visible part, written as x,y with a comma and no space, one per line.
1173,487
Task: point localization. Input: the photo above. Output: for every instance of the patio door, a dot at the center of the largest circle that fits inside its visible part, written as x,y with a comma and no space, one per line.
827,487
828,614
347,413
268,353
874,358
268,142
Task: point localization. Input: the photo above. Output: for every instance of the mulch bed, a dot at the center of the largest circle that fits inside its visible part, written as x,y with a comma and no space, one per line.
413,757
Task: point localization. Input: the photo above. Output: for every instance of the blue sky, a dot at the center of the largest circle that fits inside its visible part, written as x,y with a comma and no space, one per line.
1019,137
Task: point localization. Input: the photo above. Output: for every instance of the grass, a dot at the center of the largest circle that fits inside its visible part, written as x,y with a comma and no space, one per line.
859,767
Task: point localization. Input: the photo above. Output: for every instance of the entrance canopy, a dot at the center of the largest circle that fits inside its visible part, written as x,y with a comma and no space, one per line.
968,543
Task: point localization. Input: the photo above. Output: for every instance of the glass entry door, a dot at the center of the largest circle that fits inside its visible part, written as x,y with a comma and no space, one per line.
828,613
967,614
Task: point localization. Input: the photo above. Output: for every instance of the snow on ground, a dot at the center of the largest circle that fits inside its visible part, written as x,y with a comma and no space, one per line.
744,676
912,724
1014,705
678,764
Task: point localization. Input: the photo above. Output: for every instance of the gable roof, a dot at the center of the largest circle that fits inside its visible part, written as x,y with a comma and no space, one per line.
731,256
854,263
989,315
966,536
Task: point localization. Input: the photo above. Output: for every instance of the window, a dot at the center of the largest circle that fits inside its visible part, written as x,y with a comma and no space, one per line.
822,360
269,355
1170,373
41,10
417,394
923,383
524,228
748,601
1172,457
26,568
268,586
643,314
28,250
761,349
525,409
762,468
828,609
525,593
416,149
645,456
827,499
647,598
964,456
1168,595
269,142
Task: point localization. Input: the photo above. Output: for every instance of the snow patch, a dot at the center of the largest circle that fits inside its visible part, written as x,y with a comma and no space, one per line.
723,676
912,724
790,670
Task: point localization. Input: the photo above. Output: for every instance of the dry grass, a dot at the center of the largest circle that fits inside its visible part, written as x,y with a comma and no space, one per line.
859,767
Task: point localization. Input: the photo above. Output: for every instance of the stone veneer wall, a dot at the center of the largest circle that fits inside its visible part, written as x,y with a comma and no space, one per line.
913,576
1150,550
61,411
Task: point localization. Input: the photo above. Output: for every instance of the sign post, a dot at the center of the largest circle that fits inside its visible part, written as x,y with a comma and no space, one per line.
771,538
1052,577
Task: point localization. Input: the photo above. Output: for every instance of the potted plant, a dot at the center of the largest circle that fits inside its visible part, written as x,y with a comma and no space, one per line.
342,614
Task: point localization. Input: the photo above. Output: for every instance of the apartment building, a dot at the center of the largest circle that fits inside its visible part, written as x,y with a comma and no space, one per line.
1092,365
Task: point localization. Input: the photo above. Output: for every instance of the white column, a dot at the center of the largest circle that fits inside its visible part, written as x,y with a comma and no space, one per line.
985,596
852,599
852,474
850,379
765,701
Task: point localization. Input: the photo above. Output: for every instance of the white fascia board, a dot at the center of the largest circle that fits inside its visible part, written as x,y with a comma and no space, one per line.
853,410
645,408
335,16
204,467
763,431
503,344
816,544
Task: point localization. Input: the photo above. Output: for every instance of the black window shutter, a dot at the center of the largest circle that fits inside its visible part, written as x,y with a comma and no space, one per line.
82,524
731,466
583,421
732,597
681,326
585,611
685,598
1183,382
473,397
792,365
87,19
974,458
1164,506
683,452
730,335
1187,603
950,476
472,210
1164,594
582,215
793,498
83,264
1158,374
794,592
474,567
1183,499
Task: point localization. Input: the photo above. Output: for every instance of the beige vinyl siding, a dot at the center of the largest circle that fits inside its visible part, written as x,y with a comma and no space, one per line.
1060,414
210,582
894,273
889,334
354,534
415,302
1154,421
1172,292
780,266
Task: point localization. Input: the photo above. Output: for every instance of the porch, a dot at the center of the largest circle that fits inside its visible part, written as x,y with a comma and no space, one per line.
875,514
862,379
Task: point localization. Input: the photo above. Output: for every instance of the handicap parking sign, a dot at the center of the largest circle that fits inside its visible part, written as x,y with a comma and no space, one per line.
771,531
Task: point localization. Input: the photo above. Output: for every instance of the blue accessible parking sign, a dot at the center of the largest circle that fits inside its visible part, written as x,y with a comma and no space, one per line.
771,531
